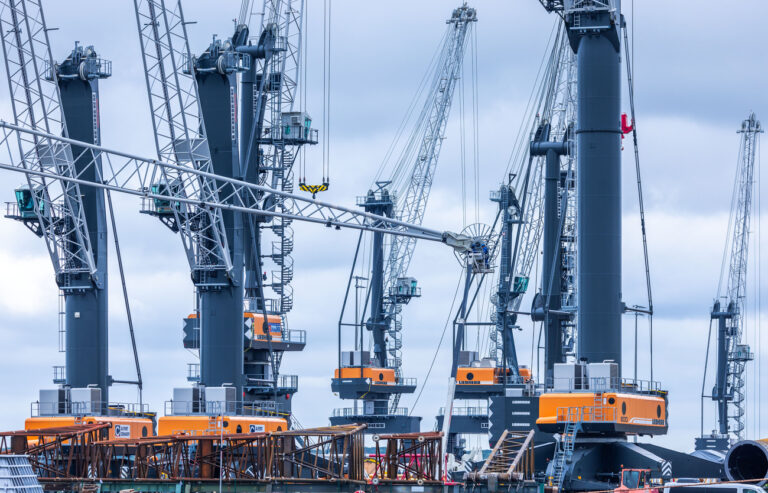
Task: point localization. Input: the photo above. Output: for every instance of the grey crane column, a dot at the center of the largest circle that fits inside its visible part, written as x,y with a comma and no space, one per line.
552,259
377,324
86,300
596,43
720,393
221,303
252,84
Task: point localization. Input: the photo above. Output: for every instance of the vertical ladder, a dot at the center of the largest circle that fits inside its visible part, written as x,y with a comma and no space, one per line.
598,412
62,322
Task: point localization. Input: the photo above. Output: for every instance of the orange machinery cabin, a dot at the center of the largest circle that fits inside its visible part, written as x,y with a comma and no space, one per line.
122,426
214,425
378,376
606,412
275,323
471,375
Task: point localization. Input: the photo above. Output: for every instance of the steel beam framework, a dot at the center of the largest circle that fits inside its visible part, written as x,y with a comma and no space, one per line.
134,175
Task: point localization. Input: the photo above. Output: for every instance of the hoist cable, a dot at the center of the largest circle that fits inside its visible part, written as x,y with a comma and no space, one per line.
129,317
434,62
475,124
462,154
641,204
327,6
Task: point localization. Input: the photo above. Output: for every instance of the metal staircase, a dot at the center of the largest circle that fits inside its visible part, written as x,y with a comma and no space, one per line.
564,453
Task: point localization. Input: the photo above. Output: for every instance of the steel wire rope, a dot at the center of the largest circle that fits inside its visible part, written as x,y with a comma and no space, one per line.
641,205
327,6
434,62
475,123
729,230
129,316
462,154
303,73
759,293
519,142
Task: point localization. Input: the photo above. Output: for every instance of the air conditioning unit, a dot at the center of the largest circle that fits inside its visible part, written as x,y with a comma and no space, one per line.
85,400
52,402
355,358
569,376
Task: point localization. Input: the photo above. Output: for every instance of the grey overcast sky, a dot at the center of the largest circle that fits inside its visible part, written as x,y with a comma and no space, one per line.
700,69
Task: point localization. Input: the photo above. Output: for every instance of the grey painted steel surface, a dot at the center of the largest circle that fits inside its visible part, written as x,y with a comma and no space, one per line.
252,85
221,307
733,353
377,323
598,138
506,318
86,310
552,258
720,393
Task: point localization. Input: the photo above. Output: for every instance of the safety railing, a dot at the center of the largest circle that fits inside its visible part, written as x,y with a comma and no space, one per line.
404,291
602,384
586,414
219,408
277,133
12,209
59,374
228,62
90,68
193,372
295,336
283,382
84,408
466,411
253,305
406,381
347,412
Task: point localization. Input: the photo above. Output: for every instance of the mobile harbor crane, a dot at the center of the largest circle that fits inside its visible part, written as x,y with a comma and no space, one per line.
63,98
373,379
508,388
729,308
272,133
240,336
134,175
588,398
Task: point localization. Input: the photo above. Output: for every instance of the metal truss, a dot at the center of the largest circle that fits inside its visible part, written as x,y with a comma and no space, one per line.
134,175
329,453
180,133
278,154
559,109
36,105
427,140
404,457
737,275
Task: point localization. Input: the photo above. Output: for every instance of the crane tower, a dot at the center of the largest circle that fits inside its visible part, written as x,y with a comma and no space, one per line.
729,307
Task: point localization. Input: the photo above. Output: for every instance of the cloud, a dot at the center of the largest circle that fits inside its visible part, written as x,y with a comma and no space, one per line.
696,79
